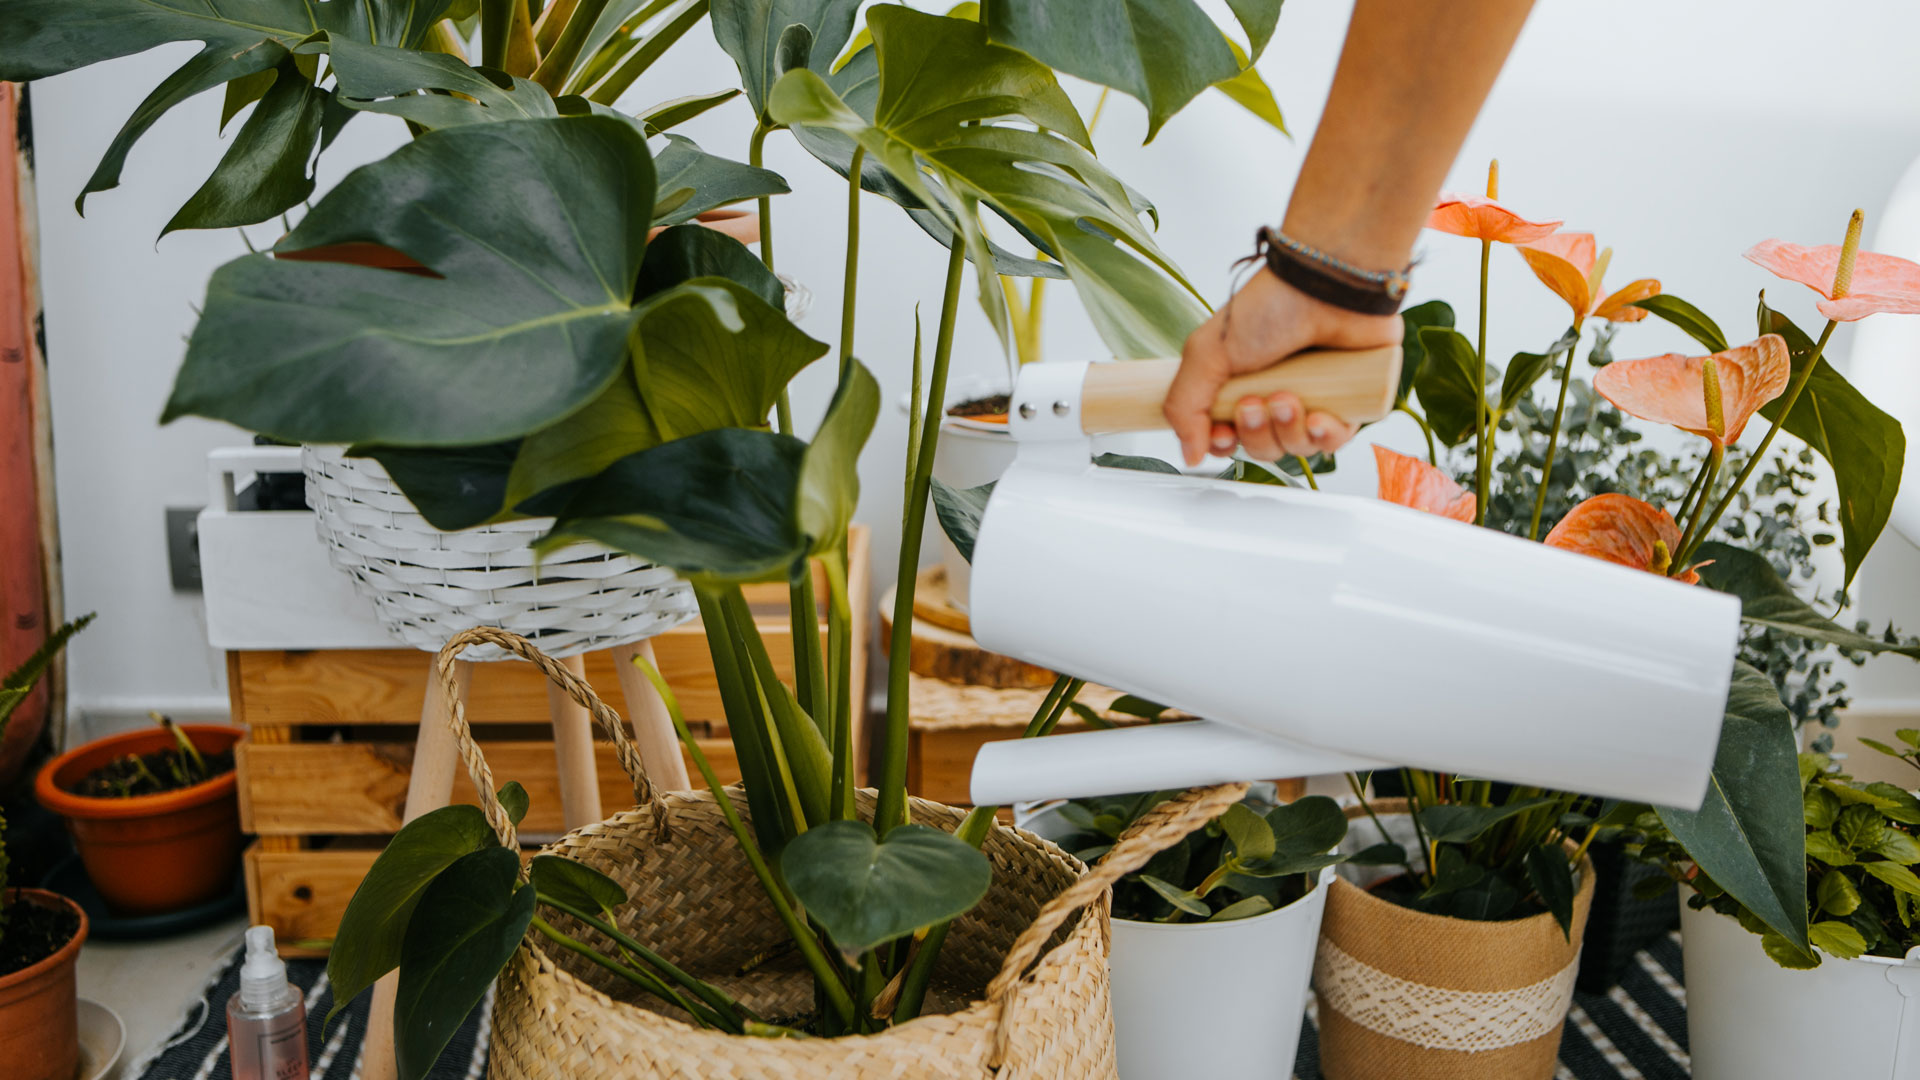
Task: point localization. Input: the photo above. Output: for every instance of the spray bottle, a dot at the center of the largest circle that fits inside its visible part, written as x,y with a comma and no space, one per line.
267,1018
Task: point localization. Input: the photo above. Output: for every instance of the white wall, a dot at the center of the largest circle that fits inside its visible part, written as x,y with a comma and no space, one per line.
1679,133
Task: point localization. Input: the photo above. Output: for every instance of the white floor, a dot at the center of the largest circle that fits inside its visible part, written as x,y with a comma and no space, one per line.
151,984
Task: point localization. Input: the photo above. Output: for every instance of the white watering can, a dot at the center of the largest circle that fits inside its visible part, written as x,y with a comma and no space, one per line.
1319,632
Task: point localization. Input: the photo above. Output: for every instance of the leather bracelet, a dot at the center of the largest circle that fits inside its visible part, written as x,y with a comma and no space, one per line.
1328,279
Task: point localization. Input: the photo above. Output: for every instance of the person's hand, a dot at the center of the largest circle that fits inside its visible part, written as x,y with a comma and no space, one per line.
1267,321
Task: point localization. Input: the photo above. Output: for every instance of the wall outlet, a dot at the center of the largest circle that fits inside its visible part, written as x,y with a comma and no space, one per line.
183,547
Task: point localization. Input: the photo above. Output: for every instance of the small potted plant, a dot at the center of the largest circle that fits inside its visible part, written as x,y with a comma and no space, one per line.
155,813
40,934
1753,996
1233,908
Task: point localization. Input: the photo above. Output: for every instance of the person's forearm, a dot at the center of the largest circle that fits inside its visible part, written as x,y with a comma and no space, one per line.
1411,79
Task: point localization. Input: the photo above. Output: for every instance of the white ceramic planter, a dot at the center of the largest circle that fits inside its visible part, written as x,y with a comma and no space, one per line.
1214,999
1208,999
1748,1018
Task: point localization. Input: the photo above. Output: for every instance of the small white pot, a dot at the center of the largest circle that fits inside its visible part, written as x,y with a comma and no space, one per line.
1214,999
1749,1018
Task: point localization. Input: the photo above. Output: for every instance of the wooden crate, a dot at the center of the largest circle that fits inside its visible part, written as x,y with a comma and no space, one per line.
323,774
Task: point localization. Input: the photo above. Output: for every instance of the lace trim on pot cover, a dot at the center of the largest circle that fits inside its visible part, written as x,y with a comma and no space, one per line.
1435,1018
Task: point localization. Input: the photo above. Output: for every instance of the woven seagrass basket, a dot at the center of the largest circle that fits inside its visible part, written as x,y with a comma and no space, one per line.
1021,991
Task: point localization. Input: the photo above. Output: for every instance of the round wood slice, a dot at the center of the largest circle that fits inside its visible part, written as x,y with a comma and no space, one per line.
954,656
932,603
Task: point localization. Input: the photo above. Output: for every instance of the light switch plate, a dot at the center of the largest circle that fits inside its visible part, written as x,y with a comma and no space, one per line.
183,547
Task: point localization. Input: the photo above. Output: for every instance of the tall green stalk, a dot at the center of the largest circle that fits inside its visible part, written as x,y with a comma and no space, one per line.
1483,440
892,807
1681,558
1553,438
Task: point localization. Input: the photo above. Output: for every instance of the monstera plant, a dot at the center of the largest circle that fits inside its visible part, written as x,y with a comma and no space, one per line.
545,336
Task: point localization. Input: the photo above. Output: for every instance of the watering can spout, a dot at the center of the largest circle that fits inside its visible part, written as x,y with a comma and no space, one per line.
1320,632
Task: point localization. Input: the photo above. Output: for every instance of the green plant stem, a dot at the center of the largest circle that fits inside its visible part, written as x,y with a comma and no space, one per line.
892,806
747,729
1786,410
816,958
496,16
851,279
1483,442
650,983
1306,471
1047,705
1553,436
1693,489
793,734
756,155
1433,457
1413,811
708,993
840,646
1689,539
1366,804
558,63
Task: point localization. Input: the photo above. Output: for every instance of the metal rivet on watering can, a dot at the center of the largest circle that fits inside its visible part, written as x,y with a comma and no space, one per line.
1062,408
1026,410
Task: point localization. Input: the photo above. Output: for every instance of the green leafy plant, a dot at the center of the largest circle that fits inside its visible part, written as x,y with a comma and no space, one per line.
530,344
1861,895
1258,857
15,688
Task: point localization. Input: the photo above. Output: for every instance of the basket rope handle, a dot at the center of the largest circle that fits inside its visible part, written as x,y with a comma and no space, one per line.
644,793
1154,832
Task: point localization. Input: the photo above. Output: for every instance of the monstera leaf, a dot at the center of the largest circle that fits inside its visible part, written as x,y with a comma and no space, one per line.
242,39
732,504
1163,52
386,80
761,34
936,119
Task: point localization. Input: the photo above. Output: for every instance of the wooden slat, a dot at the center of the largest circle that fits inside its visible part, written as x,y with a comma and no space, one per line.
302,894
360,789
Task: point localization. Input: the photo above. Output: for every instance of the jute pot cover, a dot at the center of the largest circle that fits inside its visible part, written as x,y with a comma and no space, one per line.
1413,996
1021,992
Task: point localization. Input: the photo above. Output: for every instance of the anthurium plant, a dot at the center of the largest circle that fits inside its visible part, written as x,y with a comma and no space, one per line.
1492,853
557,342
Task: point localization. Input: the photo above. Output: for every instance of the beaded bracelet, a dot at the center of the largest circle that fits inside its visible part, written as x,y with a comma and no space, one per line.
1328,279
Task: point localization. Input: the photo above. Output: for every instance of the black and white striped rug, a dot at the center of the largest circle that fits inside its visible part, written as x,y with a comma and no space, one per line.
1636,1031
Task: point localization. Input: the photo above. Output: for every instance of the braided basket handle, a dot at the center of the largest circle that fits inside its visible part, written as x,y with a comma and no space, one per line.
577,688
1154,832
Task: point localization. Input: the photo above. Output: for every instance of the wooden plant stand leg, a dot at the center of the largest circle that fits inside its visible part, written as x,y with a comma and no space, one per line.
653,732
435,760
573,750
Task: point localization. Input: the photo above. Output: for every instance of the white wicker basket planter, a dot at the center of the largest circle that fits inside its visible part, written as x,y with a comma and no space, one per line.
427,585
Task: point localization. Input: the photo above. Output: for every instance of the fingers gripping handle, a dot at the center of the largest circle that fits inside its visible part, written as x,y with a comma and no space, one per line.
1356,385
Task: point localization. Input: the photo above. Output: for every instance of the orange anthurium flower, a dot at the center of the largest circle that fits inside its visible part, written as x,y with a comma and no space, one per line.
1621,529
1566,263
1672,389
1480,218
1879,282
1412,482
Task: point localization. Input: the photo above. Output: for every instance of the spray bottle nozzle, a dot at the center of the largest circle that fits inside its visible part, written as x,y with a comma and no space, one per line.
263,977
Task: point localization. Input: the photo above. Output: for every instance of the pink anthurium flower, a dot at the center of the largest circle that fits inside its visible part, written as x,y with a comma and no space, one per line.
1481,218
1877,282
1621,529
1566,263
1672,389
1412,482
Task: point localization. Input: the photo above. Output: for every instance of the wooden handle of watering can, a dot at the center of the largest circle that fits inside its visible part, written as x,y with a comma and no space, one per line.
1356,385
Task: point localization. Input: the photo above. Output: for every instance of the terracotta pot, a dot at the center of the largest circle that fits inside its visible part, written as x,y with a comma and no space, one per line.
150,854
39,1034
1416,996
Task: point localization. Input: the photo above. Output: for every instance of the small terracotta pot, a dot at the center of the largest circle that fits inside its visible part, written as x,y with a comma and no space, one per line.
39,1033
150,854
1414,996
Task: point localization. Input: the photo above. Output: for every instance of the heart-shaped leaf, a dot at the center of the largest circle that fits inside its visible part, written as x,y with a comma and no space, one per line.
1688,318
1766,600
469,921
513,799
1309,825
1181,899
374,926
692,182
1552,878
1249,833
866,891
750,31
960,510
1463,823
1865,446
1446,384
1526,369
524,320
937,130
1749,836
575,884
1413,352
